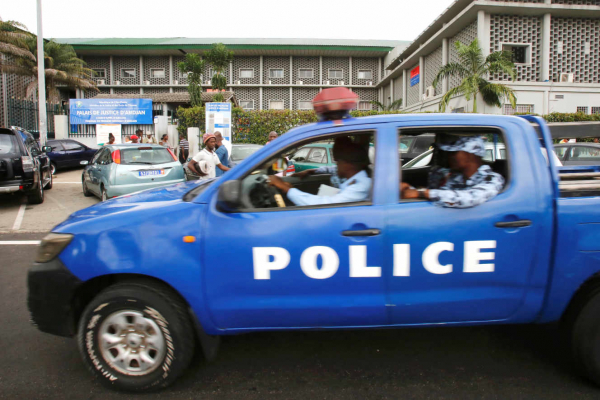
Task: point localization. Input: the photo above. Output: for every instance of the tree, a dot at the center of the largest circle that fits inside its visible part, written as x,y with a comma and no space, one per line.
61,65
218,57
193,66
473,69
396,104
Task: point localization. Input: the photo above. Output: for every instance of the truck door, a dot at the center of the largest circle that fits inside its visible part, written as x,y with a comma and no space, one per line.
290,267
470,264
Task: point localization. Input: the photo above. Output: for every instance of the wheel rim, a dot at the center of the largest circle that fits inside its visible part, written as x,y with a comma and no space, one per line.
41,185
131,343
52,169
104,196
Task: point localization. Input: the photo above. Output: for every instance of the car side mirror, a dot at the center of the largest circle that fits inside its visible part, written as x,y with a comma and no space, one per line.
84,162
230,195
47,149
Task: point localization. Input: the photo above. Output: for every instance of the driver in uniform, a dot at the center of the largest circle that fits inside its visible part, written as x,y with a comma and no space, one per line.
353,170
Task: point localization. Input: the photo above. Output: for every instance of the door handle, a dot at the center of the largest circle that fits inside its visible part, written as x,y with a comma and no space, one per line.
513,224
362,232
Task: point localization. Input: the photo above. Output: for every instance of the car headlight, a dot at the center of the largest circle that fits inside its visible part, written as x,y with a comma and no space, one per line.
51,246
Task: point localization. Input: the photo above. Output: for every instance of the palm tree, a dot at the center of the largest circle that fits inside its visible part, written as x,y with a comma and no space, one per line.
61,64
218,57
395,105
193,67
473,69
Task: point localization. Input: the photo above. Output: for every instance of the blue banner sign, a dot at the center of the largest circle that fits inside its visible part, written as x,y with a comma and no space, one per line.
110,111
218,107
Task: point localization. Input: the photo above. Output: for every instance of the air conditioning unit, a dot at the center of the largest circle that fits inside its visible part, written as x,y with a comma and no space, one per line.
299,83
101,82
117,82
146,82
565,77
208,82
238,82
370,83
326,82
341,83
175,82
429,93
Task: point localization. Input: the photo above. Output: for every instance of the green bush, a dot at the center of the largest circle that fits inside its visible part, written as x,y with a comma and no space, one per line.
571,117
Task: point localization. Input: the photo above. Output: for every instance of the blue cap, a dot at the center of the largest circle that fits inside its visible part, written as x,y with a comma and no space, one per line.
470,144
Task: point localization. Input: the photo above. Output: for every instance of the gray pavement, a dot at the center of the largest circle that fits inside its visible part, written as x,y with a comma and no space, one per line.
64,198
499,362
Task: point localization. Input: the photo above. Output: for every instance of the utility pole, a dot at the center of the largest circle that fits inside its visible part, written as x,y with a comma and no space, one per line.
41,77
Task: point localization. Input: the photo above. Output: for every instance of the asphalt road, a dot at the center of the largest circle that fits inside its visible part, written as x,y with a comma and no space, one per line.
515,362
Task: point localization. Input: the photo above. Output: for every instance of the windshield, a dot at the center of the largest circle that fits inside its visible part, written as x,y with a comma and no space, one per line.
145,155
239,153
8,144
405,143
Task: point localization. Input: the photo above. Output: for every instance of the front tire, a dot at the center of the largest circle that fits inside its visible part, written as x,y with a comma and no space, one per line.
585,338
53,168
136,337
86,191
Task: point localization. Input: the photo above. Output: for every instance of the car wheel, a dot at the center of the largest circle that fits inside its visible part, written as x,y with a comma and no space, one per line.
36,196
136,336
49,184
585,337
86,191
104,195
53,168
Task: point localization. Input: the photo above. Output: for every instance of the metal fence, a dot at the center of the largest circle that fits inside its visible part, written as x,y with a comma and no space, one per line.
25,113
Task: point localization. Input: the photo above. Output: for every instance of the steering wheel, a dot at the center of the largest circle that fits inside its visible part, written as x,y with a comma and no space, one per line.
259,194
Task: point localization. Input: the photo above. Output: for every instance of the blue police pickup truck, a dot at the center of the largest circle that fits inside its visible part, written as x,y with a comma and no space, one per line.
144,280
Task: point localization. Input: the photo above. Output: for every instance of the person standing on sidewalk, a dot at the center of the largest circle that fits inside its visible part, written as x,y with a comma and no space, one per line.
222,153
184,149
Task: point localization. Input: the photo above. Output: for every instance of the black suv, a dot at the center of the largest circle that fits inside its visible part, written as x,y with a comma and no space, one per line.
23,166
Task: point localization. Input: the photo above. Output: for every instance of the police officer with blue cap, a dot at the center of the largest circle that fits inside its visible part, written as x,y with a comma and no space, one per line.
468,183
353,170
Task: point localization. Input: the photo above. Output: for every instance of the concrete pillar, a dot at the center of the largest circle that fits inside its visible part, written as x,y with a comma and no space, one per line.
260,97
171,72
193,135
391,91
421,76
111,73
350,72
291,76
320,70
546,103
483,32
291,99
545,56
61,127
445,57
141,72
231,72
404,89
379,70
261,74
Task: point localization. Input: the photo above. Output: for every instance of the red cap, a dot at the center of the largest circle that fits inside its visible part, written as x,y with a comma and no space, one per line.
335,99
134,137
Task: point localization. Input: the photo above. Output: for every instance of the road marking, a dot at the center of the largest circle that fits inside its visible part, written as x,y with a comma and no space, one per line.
56,202
11,242
19,219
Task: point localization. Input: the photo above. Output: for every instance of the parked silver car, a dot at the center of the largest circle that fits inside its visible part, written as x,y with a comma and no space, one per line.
121,169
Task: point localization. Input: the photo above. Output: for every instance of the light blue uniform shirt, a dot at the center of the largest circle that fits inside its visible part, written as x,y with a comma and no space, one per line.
336,181
354,189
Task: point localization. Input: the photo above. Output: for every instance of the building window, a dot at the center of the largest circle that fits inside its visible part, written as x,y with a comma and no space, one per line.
595,110
184,75
521,52
336,74
157,73
128,73
276,73
247,104
365,105
582,109
521,109
365,74
99,73
305,105
246,73
276,105
211,73
306,73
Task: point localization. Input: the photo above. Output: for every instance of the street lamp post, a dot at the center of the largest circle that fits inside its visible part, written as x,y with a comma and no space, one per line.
41,77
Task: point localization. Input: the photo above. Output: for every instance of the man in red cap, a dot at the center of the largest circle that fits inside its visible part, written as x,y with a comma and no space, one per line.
134,139
204,163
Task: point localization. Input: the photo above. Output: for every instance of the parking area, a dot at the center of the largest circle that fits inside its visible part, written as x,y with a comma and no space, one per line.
66,197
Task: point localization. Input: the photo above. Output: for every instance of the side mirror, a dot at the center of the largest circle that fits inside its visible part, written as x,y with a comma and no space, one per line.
230,194
47,149
84,162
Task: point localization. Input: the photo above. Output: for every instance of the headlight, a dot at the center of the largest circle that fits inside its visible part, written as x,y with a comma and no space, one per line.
51,246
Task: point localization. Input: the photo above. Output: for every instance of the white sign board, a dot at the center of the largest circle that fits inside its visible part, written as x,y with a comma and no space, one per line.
218,118
102,131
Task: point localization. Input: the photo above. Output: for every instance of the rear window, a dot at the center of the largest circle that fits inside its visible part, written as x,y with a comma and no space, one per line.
145,155
239,153
8,144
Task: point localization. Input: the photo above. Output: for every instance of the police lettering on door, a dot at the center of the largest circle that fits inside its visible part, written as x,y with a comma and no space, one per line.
267,259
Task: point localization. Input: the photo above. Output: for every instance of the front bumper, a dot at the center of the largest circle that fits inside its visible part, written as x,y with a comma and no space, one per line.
51,290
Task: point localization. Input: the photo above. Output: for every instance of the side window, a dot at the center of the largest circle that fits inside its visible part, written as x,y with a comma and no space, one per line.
301,154
106,158
423,144
405,143
317,155
489,155
581,153
69,145
560,152
95,159
56,145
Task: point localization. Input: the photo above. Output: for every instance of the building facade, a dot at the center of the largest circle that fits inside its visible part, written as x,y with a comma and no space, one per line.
555,45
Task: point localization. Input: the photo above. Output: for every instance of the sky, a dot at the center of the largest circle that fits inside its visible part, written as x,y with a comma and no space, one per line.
329,19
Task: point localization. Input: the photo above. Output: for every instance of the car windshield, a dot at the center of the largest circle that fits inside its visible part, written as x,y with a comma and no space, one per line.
239,153
405,143
7,144
145,155
421,160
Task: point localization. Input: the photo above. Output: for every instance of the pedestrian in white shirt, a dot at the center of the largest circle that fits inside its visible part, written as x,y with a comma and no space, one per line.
204,163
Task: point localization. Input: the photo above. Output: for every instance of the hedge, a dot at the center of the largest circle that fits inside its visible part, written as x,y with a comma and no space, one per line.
254,126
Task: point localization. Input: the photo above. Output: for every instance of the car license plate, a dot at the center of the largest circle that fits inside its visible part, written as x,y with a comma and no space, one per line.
152,172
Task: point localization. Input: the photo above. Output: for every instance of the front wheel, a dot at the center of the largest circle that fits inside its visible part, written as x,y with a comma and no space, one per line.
585,337
103,194
136,336
86,191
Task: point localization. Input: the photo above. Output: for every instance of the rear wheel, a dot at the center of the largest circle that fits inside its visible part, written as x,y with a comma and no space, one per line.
36,196
104,194
53,168
136,336
585,338
49,184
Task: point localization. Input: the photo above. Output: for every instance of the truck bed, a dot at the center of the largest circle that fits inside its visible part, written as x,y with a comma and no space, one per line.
579,181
